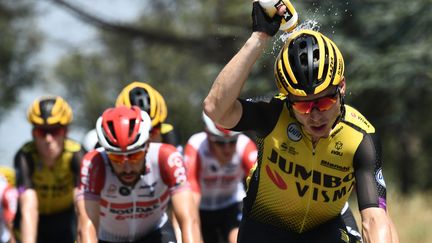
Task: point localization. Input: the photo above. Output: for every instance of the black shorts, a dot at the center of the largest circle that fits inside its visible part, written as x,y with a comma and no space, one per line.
332,231
53,228
163,235
217,224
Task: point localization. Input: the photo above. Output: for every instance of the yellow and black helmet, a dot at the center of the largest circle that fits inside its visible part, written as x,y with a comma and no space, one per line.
145,97
50,110
308,63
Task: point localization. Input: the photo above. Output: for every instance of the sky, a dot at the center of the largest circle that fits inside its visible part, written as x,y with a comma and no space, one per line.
62,32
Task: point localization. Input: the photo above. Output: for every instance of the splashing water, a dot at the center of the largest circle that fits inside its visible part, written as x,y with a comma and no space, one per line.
306,25
310,24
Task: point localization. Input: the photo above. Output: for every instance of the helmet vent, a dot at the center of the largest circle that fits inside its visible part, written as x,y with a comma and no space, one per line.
111,129
46,107
131,126
140,98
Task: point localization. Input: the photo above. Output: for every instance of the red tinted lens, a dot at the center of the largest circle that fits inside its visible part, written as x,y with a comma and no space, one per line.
322,104
132,158
42,132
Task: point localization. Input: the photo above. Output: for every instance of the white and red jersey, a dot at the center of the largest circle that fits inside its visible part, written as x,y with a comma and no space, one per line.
219,185
8,199
130,213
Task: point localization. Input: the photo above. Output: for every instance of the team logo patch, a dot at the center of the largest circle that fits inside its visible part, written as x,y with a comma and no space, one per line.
294,132
380,178
124,191
112,189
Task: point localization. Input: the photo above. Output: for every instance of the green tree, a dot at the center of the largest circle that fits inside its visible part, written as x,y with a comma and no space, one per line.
19,43
180,46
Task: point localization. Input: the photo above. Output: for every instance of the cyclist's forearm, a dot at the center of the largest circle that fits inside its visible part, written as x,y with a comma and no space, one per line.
29,216
87,223
190,231
375,226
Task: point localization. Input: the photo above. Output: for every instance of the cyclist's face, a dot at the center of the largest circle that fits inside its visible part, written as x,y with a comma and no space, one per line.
318,124
129,168
49,141
223,149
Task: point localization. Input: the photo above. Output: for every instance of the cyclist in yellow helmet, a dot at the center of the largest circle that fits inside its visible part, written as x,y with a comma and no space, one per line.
151,101
9,173
313,149
47,174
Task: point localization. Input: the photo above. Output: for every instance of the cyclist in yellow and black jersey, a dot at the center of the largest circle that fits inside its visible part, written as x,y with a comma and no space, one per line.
313,149
47,174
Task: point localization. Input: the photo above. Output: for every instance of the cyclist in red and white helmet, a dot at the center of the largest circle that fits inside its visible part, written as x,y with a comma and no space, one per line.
127,183
218,162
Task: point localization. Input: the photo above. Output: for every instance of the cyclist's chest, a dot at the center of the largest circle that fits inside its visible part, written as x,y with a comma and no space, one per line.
213,174
288,152
58,178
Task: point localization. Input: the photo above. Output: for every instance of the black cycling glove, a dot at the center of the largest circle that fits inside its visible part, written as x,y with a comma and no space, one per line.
263,23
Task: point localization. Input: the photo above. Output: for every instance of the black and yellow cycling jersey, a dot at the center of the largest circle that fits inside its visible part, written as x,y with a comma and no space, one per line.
54,186
297,187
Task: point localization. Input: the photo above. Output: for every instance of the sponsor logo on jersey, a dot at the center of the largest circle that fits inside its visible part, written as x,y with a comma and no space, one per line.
124,191
289,149
338,147
334,166
112,189
334,133
360,118
380,178
294,132
321,186
292,150
175,162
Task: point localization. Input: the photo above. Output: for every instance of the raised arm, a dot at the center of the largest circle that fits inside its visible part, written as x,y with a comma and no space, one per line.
221,103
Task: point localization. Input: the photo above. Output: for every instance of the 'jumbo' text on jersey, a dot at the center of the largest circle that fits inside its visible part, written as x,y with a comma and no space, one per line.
219,185
54,186
297,187
130,213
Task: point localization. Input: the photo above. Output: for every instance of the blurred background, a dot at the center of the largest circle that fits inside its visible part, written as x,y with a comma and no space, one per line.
86,51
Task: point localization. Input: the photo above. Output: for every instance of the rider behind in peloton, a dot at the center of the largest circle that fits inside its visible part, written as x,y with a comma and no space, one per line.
47,173
218,162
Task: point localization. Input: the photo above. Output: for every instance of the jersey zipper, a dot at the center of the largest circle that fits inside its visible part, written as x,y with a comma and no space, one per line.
133,220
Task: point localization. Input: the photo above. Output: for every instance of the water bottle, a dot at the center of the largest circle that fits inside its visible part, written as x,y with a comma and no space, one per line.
290,17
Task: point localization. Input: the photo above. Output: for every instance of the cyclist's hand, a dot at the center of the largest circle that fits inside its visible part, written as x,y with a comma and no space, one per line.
263,23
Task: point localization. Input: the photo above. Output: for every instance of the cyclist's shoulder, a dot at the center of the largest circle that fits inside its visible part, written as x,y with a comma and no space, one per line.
357,120
28,148
71,145
197,139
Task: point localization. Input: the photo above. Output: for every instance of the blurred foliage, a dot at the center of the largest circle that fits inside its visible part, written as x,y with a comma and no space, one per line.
179,47
19,42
